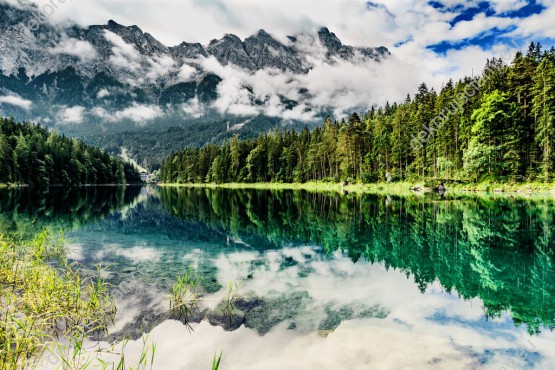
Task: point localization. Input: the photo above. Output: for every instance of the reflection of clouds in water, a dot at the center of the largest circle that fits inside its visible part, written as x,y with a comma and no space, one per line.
354,345
133,299
136,254
431,330
435,329
75,251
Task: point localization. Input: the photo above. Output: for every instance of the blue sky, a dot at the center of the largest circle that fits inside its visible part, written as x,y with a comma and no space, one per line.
493,36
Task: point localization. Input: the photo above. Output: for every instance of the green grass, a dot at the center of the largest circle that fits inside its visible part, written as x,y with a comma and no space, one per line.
49,309
309,186
185,296
44,298
216,361
396,188
230,299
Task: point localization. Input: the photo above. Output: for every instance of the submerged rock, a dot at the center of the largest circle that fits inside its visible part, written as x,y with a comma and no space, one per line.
350,312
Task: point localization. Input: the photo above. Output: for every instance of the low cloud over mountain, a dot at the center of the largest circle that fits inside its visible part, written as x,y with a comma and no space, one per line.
68,74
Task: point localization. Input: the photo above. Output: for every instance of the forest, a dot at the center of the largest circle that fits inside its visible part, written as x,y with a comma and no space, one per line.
32,155
495,127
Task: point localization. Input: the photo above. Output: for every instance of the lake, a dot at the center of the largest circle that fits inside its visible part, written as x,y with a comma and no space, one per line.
300,280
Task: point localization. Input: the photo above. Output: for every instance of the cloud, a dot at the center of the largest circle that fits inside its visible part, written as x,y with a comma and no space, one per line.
137,254
407,27
103,93
125,56
346,86
186,72
342,86
193,108
537,25
503,6
16,101
434,329
71,115
357,22
82,49
159,66
137,113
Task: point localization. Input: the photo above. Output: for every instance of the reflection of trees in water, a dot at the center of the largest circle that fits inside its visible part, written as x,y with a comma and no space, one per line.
25,210
499,250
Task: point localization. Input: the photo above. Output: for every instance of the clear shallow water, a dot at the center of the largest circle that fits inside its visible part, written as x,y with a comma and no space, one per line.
323,280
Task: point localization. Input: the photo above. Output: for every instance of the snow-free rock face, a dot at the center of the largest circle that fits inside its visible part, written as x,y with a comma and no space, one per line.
330,41
266,52
187,50
144,43
335,47
230,50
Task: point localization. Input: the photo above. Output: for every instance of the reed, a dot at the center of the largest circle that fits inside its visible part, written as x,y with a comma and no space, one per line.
48,309
231,297
216,361
184,297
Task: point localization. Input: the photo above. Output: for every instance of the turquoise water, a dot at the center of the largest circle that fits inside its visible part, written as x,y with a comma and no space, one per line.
318,280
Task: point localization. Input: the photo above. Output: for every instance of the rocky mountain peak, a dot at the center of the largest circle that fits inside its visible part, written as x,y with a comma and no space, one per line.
266,52
113,24
230,49
145,43
329,40
335,48
187,50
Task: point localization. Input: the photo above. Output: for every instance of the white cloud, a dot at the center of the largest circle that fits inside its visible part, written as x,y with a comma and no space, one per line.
186,72
139,113
101,113
389,22
431,329
82,49
193,108
406,27
538,25
16,101
125,56
502,6
136,113
137,254
103,93
342,86
159,66
71,114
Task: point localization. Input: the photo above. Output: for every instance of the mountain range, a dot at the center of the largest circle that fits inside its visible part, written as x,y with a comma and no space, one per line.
120,87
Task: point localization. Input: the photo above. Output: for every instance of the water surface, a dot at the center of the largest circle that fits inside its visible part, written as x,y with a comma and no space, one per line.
320,280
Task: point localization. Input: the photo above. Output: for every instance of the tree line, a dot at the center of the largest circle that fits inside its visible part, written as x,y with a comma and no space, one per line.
503,130
30,154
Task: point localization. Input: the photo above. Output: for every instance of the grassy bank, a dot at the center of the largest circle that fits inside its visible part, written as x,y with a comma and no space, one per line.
397,188
45,299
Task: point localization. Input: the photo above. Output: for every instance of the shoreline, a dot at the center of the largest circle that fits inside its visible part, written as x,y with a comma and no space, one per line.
398,188
524,190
